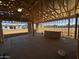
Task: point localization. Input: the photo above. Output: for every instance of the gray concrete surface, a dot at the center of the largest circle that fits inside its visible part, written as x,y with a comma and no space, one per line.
38,47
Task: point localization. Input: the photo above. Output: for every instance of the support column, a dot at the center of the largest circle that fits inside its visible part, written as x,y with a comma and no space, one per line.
33,31
78,31
69,27
1,33
31,28
78,36
78,44
76,20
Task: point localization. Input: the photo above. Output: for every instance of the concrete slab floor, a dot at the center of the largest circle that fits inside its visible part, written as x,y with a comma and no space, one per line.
38,47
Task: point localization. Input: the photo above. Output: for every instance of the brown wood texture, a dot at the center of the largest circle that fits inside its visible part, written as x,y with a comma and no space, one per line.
52,34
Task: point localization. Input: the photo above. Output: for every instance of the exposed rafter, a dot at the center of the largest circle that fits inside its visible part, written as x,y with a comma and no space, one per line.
38,10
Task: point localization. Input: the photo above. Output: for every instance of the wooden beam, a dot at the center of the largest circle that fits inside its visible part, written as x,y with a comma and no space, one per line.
1,33
33,31
60,8
76,21
53,8
68,26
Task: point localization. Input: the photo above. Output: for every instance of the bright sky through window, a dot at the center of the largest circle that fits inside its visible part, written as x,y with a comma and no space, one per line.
63,22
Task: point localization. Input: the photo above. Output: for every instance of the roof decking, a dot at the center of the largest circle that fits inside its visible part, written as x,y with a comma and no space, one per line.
38,10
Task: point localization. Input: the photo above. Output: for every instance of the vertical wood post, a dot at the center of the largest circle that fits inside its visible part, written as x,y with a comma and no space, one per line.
31,28
69,27
1,33
76,20
78,36
33,31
